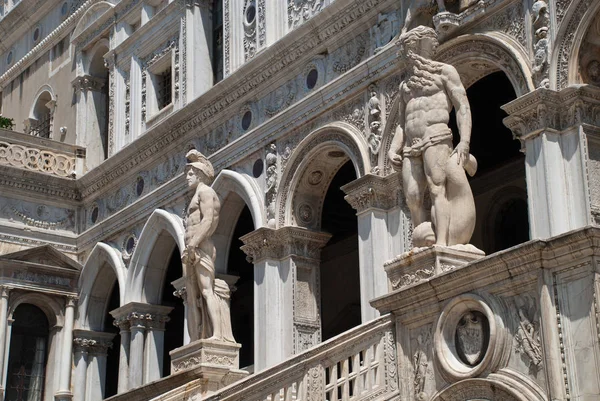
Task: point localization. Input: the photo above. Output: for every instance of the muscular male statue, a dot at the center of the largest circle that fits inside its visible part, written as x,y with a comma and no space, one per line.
199,255
422,145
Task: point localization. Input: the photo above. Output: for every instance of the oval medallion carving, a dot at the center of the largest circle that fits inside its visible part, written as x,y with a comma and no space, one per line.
472,337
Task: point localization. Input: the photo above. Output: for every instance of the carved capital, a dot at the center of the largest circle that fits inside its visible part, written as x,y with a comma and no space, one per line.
136,315
549,110
87,341
373,192
4,291
71,301
88,82
267,243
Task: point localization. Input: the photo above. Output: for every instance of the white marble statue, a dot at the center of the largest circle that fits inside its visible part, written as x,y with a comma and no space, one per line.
208,316
422,144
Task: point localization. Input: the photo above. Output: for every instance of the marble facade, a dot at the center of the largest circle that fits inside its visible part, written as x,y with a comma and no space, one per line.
91,215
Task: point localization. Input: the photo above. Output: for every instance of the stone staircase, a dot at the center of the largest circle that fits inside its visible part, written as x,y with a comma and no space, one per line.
359,364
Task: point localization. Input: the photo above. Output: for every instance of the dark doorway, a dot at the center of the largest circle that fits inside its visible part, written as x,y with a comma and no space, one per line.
28,354
501,167
112,356
242,299
339,271
175,327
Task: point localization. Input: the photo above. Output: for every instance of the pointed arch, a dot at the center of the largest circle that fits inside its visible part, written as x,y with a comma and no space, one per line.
161,233
320,145
235,191
103,266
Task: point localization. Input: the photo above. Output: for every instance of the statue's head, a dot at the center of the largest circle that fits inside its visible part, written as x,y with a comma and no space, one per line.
421,40
198,169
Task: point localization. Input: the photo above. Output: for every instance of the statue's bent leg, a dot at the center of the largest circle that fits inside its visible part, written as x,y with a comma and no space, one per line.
414,185
206,279
435,159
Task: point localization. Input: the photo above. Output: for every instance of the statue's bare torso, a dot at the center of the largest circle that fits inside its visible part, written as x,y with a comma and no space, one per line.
200,225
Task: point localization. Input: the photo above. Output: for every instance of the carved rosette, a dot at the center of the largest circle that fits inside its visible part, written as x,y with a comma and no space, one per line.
373,192
546,109
267,243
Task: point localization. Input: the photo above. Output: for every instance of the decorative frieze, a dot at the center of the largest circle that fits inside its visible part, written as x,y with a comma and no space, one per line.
268,243
373,192
300,11
272,174
546,109
35,159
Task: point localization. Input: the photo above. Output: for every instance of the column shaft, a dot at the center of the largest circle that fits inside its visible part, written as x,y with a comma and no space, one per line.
136,356
124,360
80,380
64,383
3,332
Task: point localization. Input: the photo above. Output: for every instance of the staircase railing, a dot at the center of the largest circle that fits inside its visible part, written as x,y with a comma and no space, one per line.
359,364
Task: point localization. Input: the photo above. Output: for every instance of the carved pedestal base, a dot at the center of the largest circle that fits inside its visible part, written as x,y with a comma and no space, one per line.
217,361
421,264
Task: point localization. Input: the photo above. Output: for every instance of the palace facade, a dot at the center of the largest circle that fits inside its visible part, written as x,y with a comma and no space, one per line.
293,103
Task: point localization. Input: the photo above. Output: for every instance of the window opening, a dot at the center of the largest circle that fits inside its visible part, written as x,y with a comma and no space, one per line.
41,128
28,351
164,89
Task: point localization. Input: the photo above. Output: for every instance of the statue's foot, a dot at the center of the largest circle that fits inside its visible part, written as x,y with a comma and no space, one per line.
423,235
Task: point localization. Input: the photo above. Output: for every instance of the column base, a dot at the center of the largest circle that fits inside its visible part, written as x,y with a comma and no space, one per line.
420,264
63,396
218,362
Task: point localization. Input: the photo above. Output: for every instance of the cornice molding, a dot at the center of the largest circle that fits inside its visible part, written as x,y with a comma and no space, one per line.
549,110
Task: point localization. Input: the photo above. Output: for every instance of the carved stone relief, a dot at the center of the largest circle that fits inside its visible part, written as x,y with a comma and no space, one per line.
300,11
421,364
541,43
249,18
280,99
387,27
272,176
510,21
527,337
37,215
375,125
349,54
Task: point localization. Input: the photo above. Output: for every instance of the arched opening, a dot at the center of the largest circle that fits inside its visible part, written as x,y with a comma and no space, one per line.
28,354
339,270
242,299
98,97
499,186
40,124
175,327
112,356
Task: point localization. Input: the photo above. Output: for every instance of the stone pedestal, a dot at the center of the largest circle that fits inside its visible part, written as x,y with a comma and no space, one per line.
217,361
421,264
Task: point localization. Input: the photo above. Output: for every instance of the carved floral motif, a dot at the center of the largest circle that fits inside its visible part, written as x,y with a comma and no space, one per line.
300,11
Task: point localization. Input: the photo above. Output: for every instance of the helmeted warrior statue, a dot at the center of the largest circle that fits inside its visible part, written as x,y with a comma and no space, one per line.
208,315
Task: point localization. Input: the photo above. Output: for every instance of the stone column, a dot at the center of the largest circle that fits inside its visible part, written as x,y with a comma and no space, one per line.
9,323
81,361
180,292
90,348
156,318
555,129
4,293
123,324
66,357
146,344
382,233
286,297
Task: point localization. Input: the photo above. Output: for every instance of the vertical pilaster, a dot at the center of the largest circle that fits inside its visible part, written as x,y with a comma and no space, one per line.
9,323
198,48
286,294
4,294
64,383
381,233
552,128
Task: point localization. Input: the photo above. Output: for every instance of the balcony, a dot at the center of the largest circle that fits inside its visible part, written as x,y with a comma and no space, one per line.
41,154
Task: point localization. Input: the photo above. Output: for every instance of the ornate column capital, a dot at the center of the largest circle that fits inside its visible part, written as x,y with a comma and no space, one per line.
71,301
373,192
136,315
4,291
550,110
88,82
93,342
268,243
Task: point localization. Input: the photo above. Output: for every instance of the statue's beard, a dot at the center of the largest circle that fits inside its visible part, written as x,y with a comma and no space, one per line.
423,71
